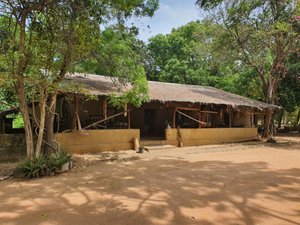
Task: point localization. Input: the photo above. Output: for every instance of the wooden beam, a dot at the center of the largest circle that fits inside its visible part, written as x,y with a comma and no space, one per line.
253,113
209,112
174,118
103,120
191,117
187,109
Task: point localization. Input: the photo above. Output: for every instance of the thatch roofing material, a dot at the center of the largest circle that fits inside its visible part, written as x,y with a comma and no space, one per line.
9,111
169,92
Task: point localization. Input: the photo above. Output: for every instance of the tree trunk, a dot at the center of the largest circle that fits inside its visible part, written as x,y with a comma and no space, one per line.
267,124
281,113
42,107
297,121
50,116
298,118
51,103
269,92
26,117
21,66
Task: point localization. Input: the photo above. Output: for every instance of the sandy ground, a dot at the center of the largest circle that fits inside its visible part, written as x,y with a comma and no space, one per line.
246,183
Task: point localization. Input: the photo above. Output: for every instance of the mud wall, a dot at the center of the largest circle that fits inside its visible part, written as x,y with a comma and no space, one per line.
12,147
193,137
93,141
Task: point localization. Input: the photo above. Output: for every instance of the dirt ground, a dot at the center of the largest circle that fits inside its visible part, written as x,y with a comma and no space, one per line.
245,183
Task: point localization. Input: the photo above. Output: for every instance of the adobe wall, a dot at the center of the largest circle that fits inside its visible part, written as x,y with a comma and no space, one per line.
94,141
202,136
12,147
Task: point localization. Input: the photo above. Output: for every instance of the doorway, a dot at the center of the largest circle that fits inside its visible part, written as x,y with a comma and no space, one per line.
150,122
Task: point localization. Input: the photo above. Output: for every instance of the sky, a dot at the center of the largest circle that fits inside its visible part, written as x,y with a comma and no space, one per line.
171,14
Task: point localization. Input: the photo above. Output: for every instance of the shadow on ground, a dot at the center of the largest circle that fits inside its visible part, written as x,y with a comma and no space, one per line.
157,192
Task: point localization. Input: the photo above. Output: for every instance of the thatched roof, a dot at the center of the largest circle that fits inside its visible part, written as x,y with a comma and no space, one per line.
9,111
169,92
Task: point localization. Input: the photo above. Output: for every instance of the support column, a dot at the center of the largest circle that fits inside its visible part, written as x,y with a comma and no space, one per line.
230,116
104,108
199,117
2,131
76,112
129,117
174,118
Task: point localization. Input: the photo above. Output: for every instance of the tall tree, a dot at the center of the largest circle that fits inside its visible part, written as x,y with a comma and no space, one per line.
289,90
116,53
191,54
44,40
262,34
187,55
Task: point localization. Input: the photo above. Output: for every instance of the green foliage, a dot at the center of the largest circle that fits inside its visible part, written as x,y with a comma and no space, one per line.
117,55
32,168
44,165
295,120
41,41
18,122
208,4
61,36
186,55
57,160
231,54
289,90
194,54
136,95
261,35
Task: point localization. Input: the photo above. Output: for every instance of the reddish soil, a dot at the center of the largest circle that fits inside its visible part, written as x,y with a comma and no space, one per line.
246,183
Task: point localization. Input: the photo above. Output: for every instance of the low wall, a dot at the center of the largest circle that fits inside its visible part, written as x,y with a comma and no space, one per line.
193,137
94,141
12,147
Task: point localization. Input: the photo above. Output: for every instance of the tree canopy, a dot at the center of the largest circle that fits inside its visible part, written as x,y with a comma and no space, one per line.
43,40
262,35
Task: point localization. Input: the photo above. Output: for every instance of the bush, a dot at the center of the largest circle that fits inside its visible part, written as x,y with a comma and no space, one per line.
44,165
57,160
33,167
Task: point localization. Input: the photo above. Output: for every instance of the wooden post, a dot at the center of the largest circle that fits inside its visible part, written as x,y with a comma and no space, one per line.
179,137
136,144
174,118
125,109
76,112
104,108
2,126
199,118
230,116
129,125
221,119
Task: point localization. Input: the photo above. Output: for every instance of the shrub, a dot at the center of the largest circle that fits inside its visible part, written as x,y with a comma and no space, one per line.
44,165
33,167
58,159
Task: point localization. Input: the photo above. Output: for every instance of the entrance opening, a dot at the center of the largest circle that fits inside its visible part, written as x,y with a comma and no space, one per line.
150,122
